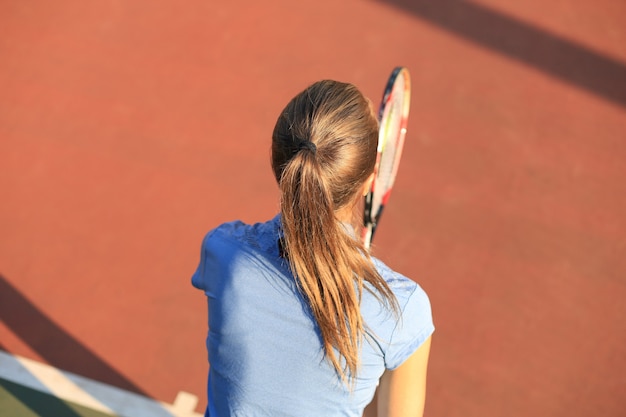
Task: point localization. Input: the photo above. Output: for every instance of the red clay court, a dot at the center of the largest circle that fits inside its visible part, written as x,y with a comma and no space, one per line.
129,129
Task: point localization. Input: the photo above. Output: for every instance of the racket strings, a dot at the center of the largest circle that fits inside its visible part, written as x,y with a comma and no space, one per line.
390,136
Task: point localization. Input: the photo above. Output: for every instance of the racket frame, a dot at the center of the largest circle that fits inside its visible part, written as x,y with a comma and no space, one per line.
371,218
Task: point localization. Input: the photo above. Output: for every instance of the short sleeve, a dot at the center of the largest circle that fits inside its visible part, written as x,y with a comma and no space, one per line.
413,328
213,246
197,279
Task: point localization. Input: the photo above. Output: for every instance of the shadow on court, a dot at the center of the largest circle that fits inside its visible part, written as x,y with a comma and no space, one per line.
553,55
52,343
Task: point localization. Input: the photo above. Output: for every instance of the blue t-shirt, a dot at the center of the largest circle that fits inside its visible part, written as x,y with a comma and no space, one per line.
265,350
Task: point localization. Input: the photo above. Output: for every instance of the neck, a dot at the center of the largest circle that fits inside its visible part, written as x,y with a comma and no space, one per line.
348,214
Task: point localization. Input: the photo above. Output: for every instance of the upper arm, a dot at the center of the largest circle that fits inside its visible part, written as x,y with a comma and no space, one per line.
402,392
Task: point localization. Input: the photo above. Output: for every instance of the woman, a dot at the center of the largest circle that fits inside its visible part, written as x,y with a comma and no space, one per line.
302,320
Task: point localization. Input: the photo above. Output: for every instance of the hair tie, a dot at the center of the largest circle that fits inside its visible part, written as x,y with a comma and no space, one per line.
307,144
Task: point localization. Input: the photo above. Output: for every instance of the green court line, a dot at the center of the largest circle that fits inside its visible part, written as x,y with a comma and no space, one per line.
19,401
31,388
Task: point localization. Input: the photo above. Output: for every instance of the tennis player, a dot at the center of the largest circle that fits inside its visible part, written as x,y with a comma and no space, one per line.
302,320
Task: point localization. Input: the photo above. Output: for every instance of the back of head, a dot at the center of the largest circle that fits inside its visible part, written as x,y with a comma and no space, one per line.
323,151
338,120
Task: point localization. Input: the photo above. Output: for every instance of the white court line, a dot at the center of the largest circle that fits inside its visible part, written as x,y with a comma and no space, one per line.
90,393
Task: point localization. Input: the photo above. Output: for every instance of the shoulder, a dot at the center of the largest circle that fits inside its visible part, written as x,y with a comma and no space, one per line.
232,229
238,232
404,288
235,243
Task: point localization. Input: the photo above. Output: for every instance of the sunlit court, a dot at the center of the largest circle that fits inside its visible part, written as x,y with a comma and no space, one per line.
128,130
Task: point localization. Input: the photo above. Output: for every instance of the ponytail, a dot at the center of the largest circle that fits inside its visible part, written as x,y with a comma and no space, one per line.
318,177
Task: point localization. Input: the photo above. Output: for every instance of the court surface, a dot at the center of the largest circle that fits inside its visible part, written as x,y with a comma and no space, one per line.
129,129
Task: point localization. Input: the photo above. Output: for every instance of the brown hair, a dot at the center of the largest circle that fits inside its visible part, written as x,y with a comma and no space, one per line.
323,151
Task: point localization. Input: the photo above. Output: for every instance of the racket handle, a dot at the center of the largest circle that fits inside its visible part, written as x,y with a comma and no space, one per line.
368,231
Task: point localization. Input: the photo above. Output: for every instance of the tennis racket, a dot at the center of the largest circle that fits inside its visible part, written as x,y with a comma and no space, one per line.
393,115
